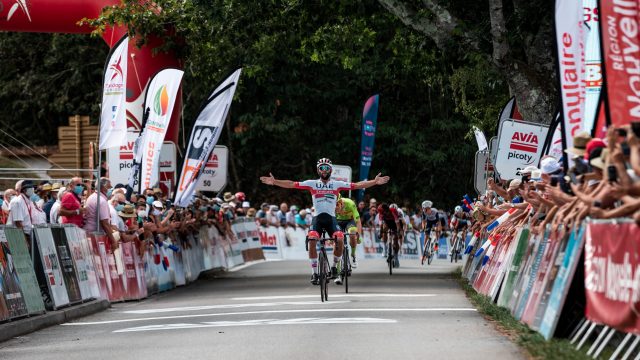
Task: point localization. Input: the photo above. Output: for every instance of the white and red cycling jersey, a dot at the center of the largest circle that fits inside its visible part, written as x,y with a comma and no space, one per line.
324,194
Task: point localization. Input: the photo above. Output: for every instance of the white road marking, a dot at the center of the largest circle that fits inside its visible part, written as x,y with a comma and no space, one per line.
245,265
298,321
230,306
272,312
278,297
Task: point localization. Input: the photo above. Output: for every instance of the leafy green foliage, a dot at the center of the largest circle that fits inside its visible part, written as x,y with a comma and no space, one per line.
308,68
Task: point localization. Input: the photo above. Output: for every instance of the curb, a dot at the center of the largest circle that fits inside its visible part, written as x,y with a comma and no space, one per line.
28,325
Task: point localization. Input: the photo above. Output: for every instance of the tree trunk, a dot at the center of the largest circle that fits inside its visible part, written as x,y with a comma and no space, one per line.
531,82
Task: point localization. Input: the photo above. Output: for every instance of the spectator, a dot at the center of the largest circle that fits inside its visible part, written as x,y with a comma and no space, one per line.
21,209
42,195
53,198
301,219
116,204
362,209
54,212
251,213
7,196
261,215
272,216
228,197
291,216
71,210
91,214
282,214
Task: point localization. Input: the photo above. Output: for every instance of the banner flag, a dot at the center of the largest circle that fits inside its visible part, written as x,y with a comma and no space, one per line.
480,139
569,18
369,125
158,103
592,62
612,274
204,136
113,113
621,55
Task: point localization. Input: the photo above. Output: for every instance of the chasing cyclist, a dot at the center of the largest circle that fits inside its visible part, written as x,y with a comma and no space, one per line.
390,222
324,193
460,222
349,221
431,219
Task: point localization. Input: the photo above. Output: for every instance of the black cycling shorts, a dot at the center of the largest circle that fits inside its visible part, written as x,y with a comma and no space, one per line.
431,224
324,223
391,225
346,224
461,225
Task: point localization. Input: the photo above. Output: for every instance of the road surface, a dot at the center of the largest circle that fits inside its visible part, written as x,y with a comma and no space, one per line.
270,311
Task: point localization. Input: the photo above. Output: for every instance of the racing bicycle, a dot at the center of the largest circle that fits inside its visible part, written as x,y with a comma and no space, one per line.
429,250
345,272
458,246
324,269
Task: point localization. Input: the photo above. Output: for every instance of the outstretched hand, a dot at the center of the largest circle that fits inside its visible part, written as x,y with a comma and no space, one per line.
381,180
269,180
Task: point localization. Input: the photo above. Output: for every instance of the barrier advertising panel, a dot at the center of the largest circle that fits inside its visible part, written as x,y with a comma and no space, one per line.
612,274
9,282
49,269
68,267
24,268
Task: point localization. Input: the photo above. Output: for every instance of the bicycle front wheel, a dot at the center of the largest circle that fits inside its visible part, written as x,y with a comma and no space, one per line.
346,267
322,263
390,259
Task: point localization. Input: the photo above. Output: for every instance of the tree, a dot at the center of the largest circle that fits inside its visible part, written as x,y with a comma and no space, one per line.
520,37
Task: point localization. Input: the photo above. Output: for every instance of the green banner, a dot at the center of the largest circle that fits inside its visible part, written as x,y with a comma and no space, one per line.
24,269
514,269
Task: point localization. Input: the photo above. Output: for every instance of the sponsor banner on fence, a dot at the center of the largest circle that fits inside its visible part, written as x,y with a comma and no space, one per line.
519,145
83,266
25,269
49,269
9,281
563,281
612,274
68,267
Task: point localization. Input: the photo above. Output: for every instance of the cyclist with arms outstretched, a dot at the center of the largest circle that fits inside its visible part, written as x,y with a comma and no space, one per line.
349,221
324,193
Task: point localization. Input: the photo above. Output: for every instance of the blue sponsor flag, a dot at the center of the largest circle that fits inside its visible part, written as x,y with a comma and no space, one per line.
369,124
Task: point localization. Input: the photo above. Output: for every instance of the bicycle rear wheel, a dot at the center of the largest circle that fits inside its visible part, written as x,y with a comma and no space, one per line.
390,259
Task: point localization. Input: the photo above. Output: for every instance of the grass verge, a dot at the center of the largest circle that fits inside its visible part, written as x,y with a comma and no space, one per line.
532,342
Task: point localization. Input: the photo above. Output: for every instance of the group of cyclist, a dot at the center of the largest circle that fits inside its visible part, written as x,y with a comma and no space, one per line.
336,215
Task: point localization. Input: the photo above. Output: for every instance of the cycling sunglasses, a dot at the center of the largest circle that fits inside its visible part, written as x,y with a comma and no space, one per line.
324,168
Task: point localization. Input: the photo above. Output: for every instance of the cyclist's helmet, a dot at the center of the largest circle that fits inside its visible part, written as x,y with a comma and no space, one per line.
393,206
427,204
458,209
324,168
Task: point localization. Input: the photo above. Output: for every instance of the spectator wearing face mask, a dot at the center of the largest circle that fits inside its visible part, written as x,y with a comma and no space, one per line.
116,204
71,211
282,214
54,212
22,209
104,220
261,215
301,219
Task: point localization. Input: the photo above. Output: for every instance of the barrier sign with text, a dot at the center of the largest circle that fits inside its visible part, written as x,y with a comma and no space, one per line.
214,175
612,275
519,145
120,161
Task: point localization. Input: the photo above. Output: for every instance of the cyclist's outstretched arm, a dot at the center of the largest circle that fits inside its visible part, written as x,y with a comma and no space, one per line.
270,180
379,180
359,227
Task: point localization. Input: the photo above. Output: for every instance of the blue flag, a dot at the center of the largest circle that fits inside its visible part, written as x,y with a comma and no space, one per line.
369,124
